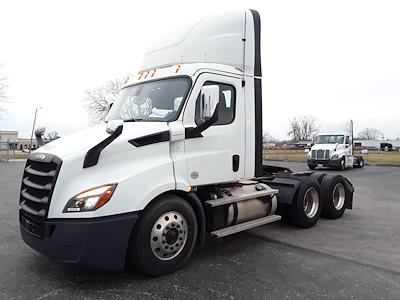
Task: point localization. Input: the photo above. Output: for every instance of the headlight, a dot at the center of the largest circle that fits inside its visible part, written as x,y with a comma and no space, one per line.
335,156
91,199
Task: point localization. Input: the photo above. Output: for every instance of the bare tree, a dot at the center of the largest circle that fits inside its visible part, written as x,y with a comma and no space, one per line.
3,95
98,99
370,134
302,128
268,138
52,135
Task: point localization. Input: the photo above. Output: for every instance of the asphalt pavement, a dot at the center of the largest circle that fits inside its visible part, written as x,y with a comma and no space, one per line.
355,257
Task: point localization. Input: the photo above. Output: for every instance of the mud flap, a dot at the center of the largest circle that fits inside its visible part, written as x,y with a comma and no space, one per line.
349,194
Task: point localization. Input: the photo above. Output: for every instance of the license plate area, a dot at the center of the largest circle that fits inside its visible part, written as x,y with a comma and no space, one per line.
28,224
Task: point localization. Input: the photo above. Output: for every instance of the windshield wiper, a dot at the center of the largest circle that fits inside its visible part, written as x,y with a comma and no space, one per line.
133,120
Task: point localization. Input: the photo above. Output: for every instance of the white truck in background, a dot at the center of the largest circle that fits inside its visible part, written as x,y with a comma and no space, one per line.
178,158
334,149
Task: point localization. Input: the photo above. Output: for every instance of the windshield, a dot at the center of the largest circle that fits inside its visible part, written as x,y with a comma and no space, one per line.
159,100
329,139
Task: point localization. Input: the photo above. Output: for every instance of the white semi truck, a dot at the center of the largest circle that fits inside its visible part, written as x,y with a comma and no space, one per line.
179,158
334,149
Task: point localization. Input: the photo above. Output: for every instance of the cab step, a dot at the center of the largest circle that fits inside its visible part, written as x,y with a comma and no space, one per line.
244,226
242,196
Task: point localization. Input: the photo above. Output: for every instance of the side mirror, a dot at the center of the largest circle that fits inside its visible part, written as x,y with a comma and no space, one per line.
113,125
209,103
209,99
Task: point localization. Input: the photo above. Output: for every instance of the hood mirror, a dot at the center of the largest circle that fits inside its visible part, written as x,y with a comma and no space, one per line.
108,111
112,125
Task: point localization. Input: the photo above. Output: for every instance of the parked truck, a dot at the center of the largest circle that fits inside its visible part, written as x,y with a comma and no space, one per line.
178,158
334,149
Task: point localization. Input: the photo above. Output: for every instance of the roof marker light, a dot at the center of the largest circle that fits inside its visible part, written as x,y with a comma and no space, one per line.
177,68
152,72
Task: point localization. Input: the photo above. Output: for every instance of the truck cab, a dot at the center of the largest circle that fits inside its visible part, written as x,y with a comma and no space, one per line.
335,150
178,158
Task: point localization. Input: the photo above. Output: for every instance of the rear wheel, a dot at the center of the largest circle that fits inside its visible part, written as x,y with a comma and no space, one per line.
165,237
307,205
334,196
318,176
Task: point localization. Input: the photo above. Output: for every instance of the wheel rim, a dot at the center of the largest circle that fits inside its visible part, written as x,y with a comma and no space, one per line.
338,196
342,164
361,163
168,236
311,202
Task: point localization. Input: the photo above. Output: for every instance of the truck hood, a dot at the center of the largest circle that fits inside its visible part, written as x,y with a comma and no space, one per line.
330,147
80,142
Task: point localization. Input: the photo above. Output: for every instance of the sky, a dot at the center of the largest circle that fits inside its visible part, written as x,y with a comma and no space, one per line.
335,60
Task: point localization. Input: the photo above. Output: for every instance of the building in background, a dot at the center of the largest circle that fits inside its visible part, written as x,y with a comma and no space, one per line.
9,138
376,144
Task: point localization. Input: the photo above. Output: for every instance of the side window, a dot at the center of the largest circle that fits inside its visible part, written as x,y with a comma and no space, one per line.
227,104
347,140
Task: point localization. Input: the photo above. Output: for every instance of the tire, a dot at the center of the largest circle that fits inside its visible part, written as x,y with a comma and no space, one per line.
307,204
318,176
342,164
165,237
312,167
334,195
361,163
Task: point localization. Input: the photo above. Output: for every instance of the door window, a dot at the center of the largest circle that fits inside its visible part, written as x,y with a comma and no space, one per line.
227,104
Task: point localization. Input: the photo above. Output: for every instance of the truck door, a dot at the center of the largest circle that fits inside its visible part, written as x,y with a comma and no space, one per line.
218,155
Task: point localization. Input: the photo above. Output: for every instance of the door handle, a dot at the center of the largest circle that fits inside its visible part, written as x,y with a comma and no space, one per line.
235,162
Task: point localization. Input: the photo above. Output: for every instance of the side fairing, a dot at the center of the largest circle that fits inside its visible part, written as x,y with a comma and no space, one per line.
227,38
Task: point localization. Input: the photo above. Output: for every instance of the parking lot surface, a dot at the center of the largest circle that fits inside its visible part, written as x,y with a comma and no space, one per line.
357,256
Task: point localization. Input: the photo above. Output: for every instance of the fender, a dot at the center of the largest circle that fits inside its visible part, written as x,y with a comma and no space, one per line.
287,186
194,200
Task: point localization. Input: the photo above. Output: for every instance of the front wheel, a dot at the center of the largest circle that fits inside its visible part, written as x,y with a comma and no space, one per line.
165,237
312,167
361,163
342,165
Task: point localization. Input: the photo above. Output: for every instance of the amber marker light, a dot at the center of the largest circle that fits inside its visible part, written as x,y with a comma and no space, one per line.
152,72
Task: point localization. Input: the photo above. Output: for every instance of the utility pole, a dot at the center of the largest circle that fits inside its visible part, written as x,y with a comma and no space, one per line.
33,128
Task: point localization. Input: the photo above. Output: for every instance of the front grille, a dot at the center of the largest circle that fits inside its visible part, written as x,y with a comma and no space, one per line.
37,187
320,154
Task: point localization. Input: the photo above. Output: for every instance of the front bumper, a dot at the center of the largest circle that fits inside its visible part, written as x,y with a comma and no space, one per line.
99,243
332,163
